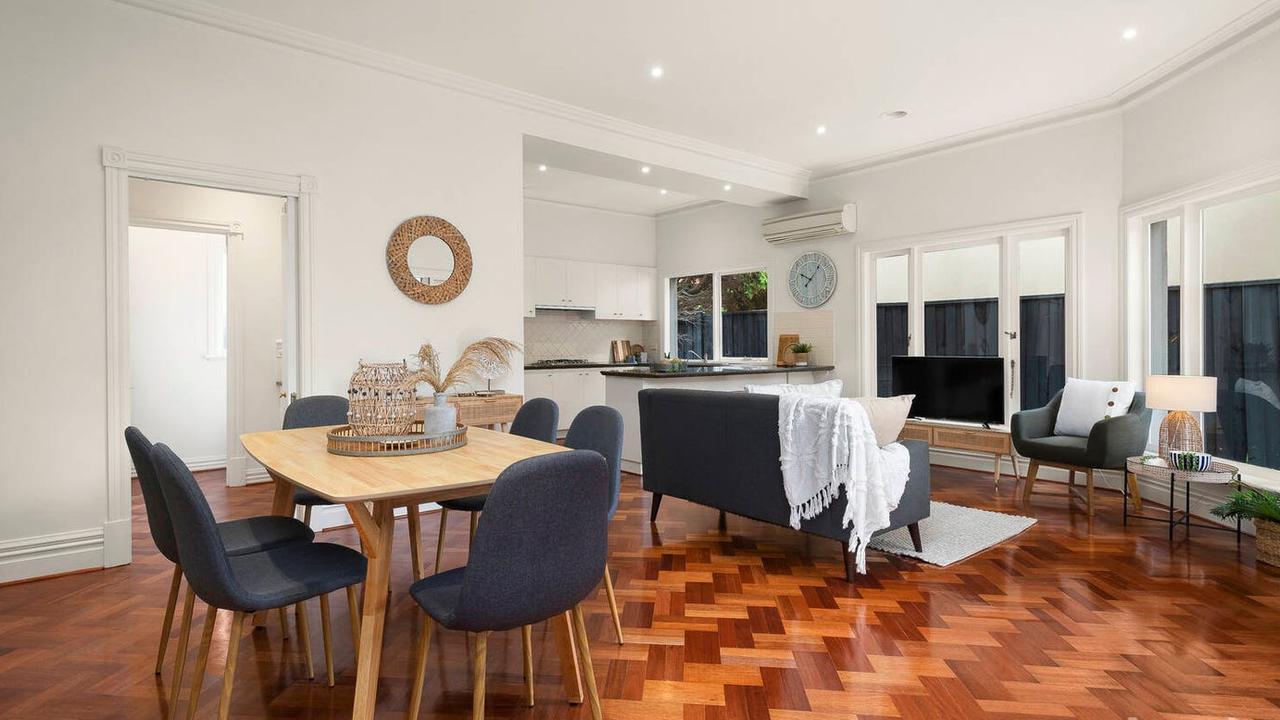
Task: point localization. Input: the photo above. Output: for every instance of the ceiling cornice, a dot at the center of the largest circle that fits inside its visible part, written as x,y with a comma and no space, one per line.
299,39
587,206
1261,19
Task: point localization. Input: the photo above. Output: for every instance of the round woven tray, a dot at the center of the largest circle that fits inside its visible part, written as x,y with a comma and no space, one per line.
344,441
1219,472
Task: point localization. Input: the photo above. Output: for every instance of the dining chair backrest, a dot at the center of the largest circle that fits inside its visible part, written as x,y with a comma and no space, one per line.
152,497
538,419
599,428
204,559
316,411
540,544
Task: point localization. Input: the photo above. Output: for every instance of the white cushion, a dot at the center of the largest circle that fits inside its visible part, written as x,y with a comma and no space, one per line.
888,415
830,388
1085,402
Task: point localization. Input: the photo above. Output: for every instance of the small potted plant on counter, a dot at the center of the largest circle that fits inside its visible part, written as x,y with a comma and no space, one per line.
1263,508
801,351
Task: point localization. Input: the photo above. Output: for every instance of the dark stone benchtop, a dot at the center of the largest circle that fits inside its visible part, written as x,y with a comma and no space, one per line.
575,366
711,371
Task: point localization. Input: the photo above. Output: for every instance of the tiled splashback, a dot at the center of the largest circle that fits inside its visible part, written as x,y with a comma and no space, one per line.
573,334
813,326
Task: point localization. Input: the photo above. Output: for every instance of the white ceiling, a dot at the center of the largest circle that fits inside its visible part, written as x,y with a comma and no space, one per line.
575,188
760,75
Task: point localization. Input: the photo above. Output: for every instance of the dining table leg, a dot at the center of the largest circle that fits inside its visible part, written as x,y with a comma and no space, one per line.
376,528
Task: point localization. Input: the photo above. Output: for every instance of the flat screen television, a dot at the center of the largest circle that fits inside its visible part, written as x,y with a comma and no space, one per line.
968,389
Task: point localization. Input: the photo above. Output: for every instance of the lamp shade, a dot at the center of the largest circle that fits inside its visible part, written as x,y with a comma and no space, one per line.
1195,393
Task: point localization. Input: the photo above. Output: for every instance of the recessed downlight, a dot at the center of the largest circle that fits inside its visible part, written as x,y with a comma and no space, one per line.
894,114
656,71
645,169
1129,33
662,191
821,129
542,168
727,187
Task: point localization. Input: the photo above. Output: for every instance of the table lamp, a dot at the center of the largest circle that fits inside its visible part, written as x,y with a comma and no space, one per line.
1181,395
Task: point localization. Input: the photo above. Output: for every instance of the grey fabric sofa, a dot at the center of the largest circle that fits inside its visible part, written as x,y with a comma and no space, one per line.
721,449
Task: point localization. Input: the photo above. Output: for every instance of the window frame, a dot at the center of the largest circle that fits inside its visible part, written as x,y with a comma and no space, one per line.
1135,221
717,326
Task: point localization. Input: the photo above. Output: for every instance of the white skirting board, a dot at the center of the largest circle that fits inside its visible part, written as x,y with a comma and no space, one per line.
42,555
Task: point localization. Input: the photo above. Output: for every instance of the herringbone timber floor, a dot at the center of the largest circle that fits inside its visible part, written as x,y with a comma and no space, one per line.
1072,619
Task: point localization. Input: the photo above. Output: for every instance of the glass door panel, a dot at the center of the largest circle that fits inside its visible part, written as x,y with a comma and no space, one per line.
1042,326
892,325
1166,296
961,301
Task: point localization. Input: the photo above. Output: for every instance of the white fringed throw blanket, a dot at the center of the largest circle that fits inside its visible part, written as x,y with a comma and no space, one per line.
828,446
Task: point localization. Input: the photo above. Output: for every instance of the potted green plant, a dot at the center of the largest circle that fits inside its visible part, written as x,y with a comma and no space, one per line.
801,351
1263,508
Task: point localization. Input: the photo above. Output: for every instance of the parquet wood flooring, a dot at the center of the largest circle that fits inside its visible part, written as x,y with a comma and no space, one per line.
1072,619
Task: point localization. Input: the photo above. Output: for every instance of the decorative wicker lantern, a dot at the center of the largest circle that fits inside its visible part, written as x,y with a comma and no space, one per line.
381,403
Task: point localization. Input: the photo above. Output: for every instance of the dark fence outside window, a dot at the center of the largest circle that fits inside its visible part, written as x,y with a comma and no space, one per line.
745,333
1241,341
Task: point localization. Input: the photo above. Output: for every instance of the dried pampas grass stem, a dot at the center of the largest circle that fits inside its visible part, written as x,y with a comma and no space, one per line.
485,359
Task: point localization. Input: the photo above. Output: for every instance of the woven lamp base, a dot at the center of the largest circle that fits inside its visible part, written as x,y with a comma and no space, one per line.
1180,431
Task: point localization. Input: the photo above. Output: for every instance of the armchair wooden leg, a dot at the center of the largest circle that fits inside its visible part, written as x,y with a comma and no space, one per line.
304,637
481,650
202,662
613,603
188,604
1135,490
229,675
420,668
174,585
1032,470
415,540
526,641
353,609
326,634
444,516
1088,478
584,652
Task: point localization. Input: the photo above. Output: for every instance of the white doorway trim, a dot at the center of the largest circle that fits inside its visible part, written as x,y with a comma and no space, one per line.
119,165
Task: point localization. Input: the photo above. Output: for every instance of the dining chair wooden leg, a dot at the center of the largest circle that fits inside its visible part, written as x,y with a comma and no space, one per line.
174,585
526,641
1032,471
326,634
188,604
477,673
229,674
353,609
304,637
420,668
306,515
444,517
202,662
584,652
415,540
284,622
613,603
474,517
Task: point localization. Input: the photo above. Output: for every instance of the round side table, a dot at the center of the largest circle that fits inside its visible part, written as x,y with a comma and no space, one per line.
1219,473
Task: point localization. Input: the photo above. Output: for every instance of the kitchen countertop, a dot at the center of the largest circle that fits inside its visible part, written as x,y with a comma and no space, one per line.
642,371
571,366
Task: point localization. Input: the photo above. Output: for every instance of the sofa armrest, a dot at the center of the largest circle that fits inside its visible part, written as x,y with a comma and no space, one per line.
1113,440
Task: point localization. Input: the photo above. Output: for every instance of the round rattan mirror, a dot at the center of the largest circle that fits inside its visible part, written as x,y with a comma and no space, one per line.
427,274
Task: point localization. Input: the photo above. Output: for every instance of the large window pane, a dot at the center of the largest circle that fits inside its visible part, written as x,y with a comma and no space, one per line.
1241,265
744,315
1042,311
691,322
1166,305
961,301
891,318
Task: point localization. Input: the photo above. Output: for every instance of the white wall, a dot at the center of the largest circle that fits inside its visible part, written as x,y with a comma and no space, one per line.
255,277
1070,168
80,74
579,233
179,391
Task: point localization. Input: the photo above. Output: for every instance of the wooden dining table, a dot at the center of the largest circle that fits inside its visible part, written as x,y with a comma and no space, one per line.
372,488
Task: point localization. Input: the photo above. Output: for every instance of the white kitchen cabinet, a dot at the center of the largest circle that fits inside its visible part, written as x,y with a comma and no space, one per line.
537,383
572,389
580,283
647,293
608,306
530,282
615,292
549,282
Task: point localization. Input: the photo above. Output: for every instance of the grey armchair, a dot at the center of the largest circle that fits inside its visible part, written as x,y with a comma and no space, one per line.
1109,442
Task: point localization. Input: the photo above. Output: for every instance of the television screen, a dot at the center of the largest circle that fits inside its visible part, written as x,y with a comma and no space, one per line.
968,389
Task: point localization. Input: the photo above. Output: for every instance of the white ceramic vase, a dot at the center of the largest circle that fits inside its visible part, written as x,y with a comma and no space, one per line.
441,417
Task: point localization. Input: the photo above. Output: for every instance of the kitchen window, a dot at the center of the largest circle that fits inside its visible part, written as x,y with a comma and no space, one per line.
720,315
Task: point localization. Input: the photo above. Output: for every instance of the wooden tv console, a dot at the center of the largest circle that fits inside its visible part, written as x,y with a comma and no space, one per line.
971,438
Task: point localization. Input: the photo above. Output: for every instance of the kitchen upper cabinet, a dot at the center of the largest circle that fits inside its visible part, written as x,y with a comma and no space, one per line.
647,293
615,292
609,292
530,289
549,282
580,283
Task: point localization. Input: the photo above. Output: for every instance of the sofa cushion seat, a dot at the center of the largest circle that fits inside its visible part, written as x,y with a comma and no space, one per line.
1065,449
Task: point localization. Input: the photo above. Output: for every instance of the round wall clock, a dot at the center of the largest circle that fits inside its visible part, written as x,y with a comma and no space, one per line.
812,279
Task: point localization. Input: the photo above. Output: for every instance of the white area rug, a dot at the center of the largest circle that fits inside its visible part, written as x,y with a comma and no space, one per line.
952,533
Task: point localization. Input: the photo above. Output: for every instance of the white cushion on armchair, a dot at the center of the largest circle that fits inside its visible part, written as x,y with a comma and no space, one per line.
1085,402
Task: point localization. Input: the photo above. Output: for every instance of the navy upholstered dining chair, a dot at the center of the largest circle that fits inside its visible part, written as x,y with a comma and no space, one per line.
537,419
314,411
275,578
239,537
538,551
599,428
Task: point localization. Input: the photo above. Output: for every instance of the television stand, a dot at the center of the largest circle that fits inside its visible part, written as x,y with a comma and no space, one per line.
961,436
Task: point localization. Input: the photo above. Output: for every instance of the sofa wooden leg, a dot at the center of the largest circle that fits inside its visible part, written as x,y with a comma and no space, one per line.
653,509
914,530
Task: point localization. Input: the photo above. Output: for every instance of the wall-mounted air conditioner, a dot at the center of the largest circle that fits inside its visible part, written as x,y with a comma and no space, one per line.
811,225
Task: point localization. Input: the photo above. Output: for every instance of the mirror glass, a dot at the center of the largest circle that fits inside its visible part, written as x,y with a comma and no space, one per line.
430,260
